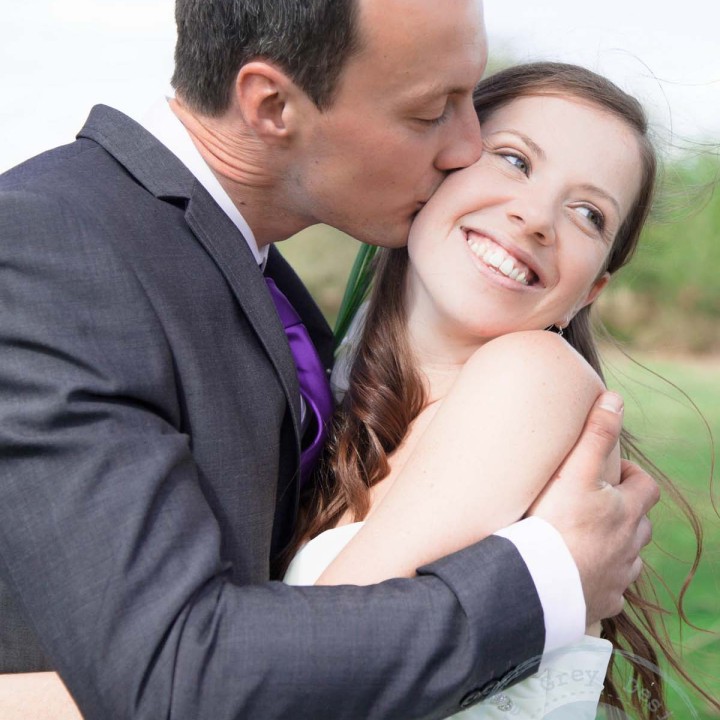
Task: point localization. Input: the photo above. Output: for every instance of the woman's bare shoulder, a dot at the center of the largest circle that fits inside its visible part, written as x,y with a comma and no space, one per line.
533,359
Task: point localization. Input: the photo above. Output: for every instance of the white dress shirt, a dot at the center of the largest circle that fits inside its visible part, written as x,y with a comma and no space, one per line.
162,122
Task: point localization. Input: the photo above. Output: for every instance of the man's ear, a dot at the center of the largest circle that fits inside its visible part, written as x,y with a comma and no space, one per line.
266,98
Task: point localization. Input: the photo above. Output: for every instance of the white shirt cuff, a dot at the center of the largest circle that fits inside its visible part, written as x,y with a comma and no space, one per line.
556,579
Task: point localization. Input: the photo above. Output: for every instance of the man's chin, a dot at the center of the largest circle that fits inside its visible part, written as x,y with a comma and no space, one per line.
397,238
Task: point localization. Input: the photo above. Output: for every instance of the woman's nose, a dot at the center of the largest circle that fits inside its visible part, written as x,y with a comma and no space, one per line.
533,213
535,218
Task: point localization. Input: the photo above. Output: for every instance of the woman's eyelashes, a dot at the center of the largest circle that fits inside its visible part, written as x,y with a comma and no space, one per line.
516,159
592,216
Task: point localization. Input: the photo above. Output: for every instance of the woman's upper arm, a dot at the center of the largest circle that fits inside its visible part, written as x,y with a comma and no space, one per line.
512,416
40,696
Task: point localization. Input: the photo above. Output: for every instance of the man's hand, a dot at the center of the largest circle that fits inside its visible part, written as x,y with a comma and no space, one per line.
599,504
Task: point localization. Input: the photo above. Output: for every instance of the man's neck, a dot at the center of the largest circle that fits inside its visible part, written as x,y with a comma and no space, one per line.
242,166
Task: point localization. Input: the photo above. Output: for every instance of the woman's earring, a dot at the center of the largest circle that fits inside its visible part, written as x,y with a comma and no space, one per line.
557,329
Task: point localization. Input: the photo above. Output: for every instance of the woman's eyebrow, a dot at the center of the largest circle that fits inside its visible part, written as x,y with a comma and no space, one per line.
589,187
527,140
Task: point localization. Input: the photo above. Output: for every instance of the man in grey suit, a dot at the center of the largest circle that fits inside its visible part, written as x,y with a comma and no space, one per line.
149,406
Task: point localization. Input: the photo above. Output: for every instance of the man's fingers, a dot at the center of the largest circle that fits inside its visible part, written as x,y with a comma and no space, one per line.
638,487
615,607
600,507
644,533
637,567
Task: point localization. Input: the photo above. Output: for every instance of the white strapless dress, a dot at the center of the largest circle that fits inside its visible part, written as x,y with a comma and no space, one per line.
566,687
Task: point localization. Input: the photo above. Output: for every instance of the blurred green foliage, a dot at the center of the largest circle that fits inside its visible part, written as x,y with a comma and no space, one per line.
322,256
669,295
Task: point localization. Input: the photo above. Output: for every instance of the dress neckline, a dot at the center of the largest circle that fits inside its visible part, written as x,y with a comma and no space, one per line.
333,529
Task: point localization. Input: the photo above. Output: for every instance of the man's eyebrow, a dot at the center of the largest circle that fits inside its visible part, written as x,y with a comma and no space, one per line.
431,92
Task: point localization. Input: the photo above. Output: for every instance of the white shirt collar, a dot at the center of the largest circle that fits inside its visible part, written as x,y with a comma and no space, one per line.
162,122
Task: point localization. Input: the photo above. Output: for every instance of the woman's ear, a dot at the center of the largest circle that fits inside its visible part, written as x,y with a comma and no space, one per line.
598,286
266,97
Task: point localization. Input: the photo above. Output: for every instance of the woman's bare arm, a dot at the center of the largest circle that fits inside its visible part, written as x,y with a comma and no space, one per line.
36,696
511,417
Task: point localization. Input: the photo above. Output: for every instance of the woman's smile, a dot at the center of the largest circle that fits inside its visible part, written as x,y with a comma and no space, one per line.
499,259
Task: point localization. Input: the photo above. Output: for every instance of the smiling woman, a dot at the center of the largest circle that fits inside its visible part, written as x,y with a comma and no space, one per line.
538,212
453,374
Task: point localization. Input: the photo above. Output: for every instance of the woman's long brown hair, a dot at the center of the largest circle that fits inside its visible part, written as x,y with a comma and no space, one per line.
386,393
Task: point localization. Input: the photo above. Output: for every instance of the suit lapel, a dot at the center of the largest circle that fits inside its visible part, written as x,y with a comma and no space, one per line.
162,174
227,247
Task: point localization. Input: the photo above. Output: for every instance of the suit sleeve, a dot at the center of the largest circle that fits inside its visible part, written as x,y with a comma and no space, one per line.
114,555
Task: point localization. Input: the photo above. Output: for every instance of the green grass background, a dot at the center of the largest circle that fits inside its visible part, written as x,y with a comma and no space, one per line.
679,438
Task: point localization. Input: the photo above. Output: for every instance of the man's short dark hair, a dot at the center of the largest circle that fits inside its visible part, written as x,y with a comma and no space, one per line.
310,40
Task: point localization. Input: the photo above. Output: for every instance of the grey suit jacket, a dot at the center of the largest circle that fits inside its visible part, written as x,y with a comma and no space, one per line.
148,472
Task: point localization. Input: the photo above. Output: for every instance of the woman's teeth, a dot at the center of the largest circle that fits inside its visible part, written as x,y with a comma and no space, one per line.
494,256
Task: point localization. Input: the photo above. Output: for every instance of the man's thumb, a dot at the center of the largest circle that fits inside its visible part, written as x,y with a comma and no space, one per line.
601,431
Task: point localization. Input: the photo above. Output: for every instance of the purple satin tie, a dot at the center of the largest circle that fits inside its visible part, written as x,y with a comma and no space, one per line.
312,379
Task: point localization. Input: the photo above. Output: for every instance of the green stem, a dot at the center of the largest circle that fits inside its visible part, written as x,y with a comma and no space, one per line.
356,290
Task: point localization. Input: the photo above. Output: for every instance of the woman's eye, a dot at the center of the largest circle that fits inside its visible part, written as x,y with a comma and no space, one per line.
517,161
593,216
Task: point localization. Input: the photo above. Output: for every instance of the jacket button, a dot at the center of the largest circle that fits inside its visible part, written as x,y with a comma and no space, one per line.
472,698
475,696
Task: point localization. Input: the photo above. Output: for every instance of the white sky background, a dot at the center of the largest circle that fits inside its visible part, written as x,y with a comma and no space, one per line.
60,57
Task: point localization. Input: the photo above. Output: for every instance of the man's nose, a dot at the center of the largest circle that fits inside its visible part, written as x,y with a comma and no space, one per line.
463,140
